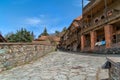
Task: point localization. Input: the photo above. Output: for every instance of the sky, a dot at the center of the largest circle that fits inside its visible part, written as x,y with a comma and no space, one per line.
35,15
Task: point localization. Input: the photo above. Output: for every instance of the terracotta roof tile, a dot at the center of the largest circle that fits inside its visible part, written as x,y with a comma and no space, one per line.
47,40
57,39
42,38
75,24
78,18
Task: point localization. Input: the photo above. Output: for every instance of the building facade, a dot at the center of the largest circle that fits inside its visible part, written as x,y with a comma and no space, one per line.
99,27
70,39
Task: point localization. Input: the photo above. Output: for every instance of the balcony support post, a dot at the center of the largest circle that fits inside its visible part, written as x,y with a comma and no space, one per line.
108,35
93,37
83,40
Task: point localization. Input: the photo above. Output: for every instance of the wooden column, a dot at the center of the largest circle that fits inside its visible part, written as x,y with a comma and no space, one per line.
93,37
108,29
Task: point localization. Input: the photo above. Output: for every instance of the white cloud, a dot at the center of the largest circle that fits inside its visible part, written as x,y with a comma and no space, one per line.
43,21
42,15
33,21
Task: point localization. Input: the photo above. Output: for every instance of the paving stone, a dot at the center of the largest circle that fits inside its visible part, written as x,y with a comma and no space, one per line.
46,75
79,77
35,78
60,77
59,66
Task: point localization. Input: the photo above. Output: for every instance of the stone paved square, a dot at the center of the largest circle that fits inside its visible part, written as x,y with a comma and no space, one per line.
60,66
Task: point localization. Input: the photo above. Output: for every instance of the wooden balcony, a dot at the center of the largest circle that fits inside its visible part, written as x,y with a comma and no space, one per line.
90,5
114,17
71,39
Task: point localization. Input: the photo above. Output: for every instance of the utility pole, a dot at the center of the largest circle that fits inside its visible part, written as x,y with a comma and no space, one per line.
81,23
82,16
82,7
82,11
105,1
106,18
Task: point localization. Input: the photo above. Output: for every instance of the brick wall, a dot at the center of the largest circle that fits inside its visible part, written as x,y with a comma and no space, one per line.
15,54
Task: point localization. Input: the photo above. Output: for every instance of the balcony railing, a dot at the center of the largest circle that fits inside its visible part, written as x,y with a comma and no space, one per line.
90,5
110,17
71,39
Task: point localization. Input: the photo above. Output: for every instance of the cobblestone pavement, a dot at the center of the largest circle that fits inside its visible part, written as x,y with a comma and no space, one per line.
60,66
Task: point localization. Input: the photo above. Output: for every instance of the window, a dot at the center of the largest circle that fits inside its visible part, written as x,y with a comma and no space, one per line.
102,17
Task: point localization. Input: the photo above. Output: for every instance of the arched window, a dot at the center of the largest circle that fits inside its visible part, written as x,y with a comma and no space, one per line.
109,13
102,17
96,20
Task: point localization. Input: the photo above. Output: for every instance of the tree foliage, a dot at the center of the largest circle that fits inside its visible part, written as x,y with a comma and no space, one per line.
20,36
57,32
64,29
45,33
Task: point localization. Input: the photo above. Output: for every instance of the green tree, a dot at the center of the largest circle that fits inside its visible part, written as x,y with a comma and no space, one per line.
45,33
64,29
57,33
10,37
20,36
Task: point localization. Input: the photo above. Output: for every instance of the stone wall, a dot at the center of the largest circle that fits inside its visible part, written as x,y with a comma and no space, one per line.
115,49
114,72
15,54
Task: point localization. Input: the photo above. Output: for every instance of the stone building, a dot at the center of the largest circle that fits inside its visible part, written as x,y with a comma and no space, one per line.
70,39
47,40
99,27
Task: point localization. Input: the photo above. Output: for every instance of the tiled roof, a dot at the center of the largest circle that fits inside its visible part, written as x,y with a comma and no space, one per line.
78,18
75,24
42,42
55,38
47,40
42,38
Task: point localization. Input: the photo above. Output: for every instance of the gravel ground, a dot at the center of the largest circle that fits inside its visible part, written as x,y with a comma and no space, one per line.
60,66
